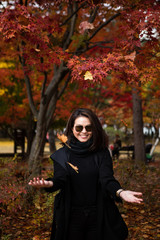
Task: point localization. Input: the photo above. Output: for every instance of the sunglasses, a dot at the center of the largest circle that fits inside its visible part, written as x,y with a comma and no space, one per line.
79,128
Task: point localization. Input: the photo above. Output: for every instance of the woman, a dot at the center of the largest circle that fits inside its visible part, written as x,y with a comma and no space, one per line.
85,207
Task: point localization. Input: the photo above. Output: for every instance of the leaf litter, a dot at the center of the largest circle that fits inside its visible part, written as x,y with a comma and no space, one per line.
33,222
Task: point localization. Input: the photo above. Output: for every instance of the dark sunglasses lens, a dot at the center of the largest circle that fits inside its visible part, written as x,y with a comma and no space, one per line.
89,128
79,128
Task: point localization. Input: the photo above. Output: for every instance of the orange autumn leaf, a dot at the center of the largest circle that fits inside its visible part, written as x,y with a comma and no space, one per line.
124,122
74,167
63,139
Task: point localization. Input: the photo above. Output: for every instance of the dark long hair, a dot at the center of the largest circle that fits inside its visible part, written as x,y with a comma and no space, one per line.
100,139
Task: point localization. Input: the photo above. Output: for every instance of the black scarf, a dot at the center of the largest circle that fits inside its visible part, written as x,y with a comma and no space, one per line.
80,148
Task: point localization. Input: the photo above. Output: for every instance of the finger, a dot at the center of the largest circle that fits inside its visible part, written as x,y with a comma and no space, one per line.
30,182
138,200
137,193
42,181
34,180
38,181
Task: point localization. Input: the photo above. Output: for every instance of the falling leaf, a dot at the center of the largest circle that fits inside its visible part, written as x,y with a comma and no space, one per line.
63,139
88,76
74,167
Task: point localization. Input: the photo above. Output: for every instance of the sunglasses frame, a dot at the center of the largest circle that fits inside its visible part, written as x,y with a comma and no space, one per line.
82,127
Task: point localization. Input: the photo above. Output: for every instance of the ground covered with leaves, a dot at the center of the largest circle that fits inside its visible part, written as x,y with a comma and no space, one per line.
33,222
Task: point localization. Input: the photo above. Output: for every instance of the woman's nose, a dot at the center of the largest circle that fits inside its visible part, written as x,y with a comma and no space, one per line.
84,130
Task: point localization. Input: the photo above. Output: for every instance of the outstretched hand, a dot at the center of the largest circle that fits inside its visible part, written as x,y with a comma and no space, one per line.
131,196
40,183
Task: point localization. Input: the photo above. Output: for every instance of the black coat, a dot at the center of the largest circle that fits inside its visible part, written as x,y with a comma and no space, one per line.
110,224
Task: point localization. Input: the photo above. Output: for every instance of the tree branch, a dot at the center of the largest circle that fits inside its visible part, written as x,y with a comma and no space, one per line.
71,28
44,83
29,92
28,86
64,86
59,73
93,15
104,24
51,109
82,5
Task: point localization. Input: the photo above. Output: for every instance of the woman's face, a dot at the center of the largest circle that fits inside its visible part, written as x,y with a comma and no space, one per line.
82,129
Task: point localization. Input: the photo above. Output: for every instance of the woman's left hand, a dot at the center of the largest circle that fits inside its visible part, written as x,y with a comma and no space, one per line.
131,196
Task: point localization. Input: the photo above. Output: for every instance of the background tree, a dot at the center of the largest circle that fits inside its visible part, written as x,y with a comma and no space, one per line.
48,38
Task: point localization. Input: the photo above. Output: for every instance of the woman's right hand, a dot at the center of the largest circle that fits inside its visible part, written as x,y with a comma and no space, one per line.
40,183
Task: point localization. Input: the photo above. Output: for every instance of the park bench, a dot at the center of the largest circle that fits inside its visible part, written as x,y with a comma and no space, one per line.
19,141
127,150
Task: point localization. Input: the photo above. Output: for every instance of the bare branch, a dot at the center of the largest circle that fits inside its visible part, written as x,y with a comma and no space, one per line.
51,108
59,74
64,86
93,15
28,86
99,45
104,24
82,5
44,83
29,92
71,28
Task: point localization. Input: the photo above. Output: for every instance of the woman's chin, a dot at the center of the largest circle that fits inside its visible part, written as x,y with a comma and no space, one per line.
83,139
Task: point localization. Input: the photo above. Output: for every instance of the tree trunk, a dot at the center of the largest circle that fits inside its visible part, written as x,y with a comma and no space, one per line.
35,156
43,123
139,144
30,133
51,140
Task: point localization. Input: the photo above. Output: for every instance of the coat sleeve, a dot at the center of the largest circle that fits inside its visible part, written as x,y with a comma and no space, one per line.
108,182
59,178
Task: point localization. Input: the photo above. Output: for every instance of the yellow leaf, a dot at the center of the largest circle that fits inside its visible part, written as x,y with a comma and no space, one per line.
74,167
142,211
158,54
2,91
36,238
37,50
145,236
37,206
88,76
6,65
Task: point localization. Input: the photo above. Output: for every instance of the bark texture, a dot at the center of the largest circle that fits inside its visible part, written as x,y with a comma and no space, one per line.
139,144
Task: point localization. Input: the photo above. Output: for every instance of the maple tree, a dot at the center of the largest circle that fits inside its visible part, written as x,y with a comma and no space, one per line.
111,106
11,98
83,40
15,112
151,94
